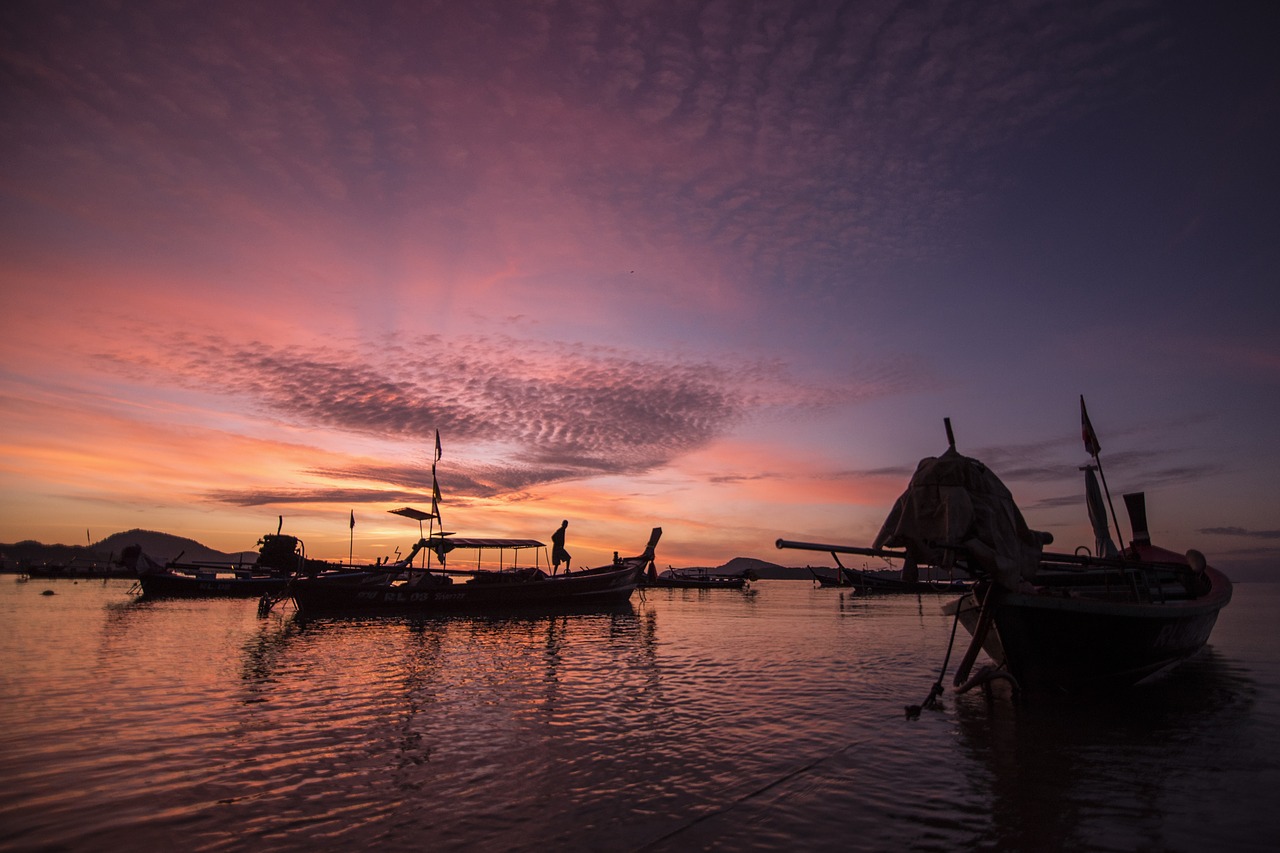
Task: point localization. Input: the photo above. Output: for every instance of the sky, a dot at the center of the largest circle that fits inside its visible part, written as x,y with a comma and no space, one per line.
717,266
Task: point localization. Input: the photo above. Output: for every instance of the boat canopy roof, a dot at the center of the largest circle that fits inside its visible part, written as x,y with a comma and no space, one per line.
479,544
410,512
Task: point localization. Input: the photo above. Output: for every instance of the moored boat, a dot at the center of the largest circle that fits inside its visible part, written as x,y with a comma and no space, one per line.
693,579
78,568
435,589
280,556
1091,619
1097,623
864,581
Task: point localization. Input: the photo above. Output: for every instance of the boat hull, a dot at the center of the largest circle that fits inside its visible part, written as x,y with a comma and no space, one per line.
588,588
175,585
1075,644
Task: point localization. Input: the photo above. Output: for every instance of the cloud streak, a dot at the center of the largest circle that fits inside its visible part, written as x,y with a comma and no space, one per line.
1241,532
546,413
782,142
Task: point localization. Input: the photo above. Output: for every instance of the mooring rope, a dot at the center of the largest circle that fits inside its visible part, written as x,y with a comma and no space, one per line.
913,711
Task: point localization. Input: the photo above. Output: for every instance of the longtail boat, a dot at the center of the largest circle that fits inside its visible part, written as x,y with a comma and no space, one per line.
443,587
694,579
280,557
865,581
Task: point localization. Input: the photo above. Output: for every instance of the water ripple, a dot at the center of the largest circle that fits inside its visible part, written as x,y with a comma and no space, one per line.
769,721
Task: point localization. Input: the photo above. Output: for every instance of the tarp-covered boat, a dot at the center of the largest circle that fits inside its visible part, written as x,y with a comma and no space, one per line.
1061,621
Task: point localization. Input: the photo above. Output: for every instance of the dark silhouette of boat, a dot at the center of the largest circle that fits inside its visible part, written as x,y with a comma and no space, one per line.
78,568
280,557
866,581
694,579
1090,619
438,588
1099,623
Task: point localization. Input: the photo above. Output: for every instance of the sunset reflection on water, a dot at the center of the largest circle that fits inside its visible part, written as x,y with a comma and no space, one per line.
765,720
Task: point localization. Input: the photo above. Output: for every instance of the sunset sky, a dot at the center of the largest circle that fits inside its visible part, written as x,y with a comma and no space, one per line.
719,267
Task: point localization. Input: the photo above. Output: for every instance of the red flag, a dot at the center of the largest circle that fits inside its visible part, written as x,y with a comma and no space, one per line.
1086,431
353,519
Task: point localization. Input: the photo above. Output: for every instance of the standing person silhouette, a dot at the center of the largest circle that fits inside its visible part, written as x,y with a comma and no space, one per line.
558,553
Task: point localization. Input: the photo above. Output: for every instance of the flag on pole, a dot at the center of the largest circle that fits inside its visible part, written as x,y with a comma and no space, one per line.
437,445
1086,431
351,538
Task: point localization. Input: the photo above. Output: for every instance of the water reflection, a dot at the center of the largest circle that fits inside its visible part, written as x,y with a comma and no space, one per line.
1100,771
770,722
262,652
461,692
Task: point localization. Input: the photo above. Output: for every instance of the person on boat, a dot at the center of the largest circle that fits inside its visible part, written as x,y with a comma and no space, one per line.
558,553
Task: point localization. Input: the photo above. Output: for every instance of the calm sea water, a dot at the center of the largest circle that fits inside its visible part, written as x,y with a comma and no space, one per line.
766,720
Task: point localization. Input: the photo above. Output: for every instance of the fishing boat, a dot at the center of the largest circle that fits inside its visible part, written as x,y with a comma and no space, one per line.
864,581
699,578
443,587
440,585
280,556
1096,618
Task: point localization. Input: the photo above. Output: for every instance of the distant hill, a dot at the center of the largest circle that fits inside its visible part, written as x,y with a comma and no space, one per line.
761,569
166,546
163,547
159,546
31,551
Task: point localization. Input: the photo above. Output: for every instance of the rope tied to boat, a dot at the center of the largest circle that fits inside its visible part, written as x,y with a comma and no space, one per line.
936,691
269,600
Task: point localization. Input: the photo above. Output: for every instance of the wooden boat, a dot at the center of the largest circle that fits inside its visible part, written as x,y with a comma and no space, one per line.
692,579
1099,623
827,578
1090,619
209,582
437,589
280,557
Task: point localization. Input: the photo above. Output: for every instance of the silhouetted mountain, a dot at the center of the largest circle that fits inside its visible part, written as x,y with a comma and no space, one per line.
741,564
761,569
165,546
31,551
159,546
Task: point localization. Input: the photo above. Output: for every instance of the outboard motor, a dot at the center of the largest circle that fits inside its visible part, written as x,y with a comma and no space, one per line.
279,553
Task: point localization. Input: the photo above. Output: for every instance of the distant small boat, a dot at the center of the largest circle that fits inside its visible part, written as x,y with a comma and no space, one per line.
1077,621
439,589
79,568
693,579
872,581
